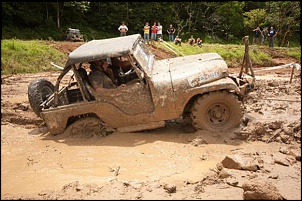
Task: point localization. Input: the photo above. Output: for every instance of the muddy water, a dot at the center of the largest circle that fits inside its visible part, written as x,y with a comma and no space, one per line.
32,163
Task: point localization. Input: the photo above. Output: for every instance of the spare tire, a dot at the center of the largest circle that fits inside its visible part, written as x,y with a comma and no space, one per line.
38,91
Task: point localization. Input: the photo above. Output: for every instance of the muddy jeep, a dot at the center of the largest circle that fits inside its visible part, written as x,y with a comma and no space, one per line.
74,35
197,87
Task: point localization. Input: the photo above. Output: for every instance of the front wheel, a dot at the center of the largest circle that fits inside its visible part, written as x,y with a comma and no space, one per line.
217,111
38,91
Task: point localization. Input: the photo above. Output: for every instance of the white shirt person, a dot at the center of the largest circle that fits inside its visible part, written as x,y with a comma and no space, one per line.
123,29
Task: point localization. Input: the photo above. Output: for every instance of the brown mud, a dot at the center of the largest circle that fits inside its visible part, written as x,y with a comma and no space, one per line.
260,159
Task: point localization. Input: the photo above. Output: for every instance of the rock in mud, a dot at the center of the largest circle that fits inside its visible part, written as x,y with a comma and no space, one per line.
240,162
260,190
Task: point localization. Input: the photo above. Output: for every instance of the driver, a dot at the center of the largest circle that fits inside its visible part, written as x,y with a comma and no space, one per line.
101,77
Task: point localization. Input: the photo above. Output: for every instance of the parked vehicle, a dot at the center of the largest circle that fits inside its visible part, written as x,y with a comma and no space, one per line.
74,35
198,87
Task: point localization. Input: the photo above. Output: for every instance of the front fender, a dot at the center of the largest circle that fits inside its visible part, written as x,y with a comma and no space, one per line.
223,83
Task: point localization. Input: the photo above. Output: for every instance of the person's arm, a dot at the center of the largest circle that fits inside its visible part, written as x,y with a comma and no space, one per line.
96,85
106,90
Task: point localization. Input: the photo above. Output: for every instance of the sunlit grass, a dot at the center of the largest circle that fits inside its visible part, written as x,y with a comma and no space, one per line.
19,56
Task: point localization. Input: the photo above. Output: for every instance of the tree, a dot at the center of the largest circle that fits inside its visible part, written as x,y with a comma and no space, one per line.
285,17
221,20
181,22
58,14
231,14
74,8
254,18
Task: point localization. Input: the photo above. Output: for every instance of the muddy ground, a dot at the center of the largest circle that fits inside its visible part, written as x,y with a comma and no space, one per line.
259,160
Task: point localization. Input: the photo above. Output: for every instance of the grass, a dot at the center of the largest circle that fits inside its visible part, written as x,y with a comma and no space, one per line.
21,56
234,54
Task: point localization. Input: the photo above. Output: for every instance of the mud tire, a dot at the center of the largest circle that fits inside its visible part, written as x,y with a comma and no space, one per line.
38,91
217,111
87,127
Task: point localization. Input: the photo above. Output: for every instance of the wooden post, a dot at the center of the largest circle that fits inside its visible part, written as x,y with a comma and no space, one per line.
246,64
291,74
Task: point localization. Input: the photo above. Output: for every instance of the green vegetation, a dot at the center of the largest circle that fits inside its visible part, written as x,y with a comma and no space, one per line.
18,56
233,54
34,56
214,22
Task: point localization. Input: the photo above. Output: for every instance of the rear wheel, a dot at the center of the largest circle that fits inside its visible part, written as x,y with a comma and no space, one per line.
217,111
38,91
87,127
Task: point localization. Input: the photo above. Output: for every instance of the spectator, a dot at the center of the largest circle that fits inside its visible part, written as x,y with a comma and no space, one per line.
199,42
191,40
159,31
153,33
264,35
177,41
257,33
272,34
123,29
147,32
171,32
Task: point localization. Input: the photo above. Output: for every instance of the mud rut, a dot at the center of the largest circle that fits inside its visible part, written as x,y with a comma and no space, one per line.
273,116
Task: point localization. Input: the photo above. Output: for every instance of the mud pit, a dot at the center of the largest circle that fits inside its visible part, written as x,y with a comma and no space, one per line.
261,159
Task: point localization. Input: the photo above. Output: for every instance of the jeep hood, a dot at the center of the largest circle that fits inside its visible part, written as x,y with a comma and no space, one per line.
193,71
101,49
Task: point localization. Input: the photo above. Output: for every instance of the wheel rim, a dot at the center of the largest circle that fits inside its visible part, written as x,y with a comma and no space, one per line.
218,114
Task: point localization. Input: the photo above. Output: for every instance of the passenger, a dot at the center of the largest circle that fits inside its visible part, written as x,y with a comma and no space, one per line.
123,70
125,65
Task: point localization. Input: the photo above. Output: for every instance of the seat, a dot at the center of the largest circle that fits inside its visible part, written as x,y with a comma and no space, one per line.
84,76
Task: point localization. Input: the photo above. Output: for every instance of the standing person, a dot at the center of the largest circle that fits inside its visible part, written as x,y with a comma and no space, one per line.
257,33
123,29
153,33
147,32
272,34
264,35
159,31
171,32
